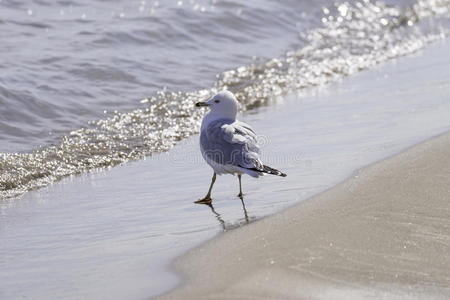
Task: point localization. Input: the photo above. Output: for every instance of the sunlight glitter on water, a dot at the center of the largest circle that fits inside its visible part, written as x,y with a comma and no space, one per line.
340,48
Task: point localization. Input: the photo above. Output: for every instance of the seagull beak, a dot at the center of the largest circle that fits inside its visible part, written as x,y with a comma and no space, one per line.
201,104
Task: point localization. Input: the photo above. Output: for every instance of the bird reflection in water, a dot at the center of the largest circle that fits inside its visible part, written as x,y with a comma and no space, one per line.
219,218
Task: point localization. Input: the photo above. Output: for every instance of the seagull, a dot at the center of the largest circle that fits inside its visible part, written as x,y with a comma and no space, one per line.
228,145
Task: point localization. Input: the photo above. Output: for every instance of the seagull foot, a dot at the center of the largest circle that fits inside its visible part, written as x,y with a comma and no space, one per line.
206,200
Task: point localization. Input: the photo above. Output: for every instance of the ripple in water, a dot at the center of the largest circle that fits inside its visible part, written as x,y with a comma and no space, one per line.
354,37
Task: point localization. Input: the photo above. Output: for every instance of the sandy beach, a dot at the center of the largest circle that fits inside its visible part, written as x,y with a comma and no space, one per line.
383,234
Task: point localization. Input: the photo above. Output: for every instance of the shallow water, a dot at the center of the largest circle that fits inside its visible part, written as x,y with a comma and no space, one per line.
113,234
70,66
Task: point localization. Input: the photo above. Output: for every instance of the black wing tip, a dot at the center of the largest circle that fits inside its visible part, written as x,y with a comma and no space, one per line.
267,170
280,174
273,171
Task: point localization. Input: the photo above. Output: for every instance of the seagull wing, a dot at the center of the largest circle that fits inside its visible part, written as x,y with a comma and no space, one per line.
231,142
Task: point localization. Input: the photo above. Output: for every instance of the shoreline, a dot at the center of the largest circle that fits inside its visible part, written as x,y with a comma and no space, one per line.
114,234
197,266
369,236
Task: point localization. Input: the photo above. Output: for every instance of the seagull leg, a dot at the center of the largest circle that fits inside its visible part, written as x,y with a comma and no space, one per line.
207,198
245,210
240,187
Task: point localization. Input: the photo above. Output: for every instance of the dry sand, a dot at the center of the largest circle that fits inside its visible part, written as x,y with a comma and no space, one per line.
383,234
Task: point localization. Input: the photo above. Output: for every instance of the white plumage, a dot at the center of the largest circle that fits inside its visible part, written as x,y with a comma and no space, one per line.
227,145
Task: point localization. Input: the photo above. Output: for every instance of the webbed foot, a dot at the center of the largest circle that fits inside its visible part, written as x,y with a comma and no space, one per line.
206,200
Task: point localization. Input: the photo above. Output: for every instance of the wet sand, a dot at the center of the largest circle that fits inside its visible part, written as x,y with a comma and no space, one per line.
384,233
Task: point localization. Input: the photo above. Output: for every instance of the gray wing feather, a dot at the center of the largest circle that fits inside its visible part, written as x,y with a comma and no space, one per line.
231,142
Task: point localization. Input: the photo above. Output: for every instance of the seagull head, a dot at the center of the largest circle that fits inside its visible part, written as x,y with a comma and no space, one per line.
223,105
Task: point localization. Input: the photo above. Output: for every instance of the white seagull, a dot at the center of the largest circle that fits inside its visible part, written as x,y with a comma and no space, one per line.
228,145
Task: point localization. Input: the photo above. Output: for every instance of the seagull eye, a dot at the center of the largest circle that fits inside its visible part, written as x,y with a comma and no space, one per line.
217,101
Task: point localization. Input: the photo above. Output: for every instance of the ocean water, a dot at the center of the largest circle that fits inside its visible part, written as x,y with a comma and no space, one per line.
93,84
88,86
